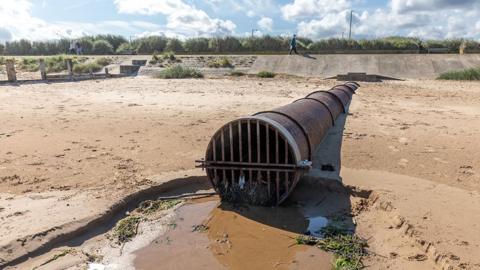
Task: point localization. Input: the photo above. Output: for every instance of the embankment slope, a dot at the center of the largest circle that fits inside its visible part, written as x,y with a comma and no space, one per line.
400,66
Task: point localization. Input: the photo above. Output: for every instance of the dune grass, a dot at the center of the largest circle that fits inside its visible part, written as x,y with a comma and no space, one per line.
266,74
94,66
178,72
472,74
223,62
237,73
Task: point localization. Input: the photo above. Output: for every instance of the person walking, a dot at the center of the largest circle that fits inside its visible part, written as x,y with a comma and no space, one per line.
293,44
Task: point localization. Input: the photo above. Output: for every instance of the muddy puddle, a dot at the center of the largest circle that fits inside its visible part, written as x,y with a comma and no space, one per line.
209,235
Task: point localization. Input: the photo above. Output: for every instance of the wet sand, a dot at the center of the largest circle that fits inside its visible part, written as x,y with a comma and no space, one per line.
233,238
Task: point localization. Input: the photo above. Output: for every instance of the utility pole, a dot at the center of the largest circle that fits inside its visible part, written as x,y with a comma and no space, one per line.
253,31
350,31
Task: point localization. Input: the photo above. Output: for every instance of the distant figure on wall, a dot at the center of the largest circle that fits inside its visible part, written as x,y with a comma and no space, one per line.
293,45
75,48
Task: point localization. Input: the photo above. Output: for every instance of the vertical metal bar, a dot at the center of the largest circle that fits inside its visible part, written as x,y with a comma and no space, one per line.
249,142
240,140
258,142
230,127
276,147
268,183
249,135
286,152
278,187
267,143
286,182
215,159
214,149
267,146
222,140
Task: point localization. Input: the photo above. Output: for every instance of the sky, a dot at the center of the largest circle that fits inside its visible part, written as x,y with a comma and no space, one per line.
315,19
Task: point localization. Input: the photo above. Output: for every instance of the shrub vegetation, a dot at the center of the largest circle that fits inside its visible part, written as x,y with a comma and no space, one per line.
94,66
266,74
223,62
179,72
107,44
472,74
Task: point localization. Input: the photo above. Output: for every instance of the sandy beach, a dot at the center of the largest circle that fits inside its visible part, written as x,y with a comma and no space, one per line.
68,150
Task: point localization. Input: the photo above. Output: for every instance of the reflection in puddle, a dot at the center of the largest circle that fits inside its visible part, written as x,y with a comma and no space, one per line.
315,225
243,237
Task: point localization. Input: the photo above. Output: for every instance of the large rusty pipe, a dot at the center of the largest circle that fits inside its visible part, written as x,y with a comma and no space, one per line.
259,159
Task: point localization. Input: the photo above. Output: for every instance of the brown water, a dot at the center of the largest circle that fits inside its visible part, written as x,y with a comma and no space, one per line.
237,238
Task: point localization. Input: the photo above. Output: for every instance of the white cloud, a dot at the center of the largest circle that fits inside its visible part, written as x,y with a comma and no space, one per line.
251,8
17,22
265,23
430,19
301,9
401,6
150,7
181,17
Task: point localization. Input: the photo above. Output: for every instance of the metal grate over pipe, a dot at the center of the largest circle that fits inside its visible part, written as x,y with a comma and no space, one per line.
260,158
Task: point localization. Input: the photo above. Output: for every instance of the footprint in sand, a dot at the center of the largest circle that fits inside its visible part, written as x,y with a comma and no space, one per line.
429,149
393,148
440,160
403,140
403,162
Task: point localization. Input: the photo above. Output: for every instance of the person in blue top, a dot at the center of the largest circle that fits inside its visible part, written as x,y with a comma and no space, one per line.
293,45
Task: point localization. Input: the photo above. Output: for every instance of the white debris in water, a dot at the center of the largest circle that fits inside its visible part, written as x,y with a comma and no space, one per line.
241,181
315,224
96,266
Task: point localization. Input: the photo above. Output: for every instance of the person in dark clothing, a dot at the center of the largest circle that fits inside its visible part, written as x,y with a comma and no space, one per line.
293,45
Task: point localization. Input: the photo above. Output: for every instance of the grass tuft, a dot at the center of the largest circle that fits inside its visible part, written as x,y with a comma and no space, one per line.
126,229
237,73
169,56
200,228
179,72
223,62
348,249
149,207
472,74
103,61
266,74
86,67
94,66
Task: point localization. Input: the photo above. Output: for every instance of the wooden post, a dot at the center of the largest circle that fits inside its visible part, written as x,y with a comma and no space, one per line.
106,72
43,71
90,71
11,74
70,68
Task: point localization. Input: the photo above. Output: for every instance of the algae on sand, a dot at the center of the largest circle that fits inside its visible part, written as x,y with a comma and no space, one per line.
149,207
349,249
126,229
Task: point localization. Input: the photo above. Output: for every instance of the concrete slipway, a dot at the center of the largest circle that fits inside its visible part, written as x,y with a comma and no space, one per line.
400,66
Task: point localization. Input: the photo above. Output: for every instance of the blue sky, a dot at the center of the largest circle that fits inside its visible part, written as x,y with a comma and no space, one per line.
50,19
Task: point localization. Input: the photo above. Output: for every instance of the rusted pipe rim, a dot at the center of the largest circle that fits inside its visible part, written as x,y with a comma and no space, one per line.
321,102
283,132
304,131
345,90
331,94
341,86
354,83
